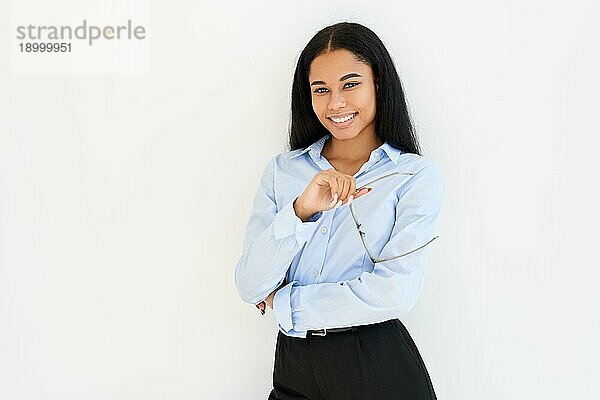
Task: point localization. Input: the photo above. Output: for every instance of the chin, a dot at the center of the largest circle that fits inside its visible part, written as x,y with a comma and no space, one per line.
344,134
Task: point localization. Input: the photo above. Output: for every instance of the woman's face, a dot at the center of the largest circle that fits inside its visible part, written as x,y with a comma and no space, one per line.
341,87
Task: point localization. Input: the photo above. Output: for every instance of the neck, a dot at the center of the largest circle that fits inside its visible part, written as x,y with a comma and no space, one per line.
356,149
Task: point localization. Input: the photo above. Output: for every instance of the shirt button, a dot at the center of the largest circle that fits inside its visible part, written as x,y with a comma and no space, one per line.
315,273
324,230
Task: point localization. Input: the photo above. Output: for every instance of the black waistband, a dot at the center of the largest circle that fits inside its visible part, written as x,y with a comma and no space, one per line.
324,332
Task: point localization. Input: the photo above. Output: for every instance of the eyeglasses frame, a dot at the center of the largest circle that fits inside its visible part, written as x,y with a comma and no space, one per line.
363,234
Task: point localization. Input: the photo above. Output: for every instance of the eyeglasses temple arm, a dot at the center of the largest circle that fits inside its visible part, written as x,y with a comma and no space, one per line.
385,176
405,254
362,233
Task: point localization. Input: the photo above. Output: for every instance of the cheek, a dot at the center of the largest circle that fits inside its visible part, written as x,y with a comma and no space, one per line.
366,102
318,106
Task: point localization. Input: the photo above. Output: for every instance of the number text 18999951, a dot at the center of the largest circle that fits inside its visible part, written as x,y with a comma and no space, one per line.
45,47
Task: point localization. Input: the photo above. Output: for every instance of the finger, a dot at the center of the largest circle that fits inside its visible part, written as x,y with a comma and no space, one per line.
333,184
333,201
334,196
323,178
352,190
345,189
340,186
362,192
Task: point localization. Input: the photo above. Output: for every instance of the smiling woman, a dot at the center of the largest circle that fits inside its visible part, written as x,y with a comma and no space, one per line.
345,103
341,99
337,295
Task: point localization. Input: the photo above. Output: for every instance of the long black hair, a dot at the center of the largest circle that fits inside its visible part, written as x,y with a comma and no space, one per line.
392,120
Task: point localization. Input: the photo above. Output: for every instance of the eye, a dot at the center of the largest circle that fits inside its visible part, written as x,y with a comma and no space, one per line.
349,83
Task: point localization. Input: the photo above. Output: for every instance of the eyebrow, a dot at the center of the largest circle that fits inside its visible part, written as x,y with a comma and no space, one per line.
343,78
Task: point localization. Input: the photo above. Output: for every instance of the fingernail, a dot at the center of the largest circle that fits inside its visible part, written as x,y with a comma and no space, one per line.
350,198
339,203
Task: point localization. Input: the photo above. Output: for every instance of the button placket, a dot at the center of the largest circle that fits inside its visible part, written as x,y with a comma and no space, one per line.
324,230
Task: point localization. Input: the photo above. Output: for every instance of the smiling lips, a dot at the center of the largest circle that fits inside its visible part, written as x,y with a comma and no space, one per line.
342,120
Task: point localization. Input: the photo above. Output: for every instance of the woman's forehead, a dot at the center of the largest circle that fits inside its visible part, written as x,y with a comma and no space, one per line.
337,64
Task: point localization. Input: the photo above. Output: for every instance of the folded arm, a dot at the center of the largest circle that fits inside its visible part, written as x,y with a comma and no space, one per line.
272,240
391,289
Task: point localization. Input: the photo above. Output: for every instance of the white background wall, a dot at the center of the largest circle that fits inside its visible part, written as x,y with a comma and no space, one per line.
123,198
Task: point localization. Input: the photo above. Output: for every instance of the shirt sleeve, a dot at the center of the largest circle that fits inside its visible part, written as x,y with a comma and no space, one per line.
391,289
272,239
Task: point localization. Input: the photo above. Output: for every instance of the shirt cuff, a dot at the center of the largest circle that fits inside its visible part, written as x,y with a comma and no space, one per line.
315,216
282,306
287,223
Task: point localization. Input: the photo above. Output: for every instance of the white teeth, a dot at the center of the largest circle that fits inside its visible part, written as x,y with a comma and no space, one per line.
340,120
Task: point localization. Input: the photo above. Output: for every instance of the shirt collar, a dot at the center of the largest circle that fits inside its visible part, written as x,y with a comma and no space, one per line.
392,152
315,149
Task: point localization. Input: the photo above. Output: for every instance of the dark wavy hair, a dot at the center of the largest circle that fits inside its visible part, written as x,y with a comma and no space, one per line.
392,120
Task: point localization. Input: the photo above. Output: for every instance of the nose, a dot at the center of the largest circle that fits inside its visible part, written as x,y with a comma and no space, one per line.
337,100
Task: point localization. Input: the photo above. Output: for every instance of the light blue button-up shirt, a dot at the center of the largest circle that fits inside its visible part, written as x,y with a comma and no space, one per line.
331,280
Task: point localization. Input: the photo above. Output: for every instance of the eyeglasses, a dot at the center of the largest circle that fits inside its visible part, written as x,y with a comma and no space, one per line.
363,234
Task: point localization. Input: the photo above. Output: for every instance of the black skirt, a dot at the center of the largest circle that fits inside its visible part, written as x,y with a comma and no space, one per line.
376,362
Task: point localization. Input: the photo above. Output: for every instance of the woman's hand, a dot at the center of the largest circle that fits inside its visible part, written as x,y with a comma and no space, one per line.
261,307
269,300
328,189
